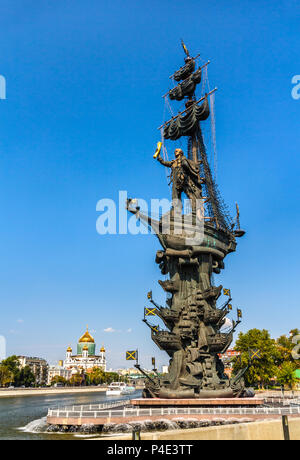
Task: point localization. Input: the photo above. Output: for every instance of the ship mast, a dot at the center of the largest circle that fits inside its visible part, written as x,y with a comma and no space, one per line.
187,123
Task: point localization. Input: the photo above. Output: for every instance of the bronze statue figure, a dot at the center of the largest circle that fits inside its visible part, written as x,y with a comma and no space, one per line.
184,177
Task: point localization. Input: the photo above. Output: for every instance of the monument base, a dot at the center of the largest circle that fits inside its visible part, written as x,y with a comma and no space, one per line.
213,402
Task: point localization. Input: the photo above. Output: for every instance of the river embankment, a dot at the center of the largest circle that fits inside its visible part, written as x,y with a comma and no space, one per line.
8,393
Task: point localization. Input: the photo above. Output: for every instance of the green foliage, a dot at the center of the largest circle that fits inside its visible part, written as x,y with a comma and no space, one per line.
97,377
19,376
262,370
59,379
275,362
286,375
6,376
12,363
77,379
24,377
112,377
285,347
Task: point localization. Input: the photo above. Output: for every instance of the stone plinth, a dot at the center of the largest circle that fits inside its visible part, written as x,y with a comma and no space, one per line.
216,402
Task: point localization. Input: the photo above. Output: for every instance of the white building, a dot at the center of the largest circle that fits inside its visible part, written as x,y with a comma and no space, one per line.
60,371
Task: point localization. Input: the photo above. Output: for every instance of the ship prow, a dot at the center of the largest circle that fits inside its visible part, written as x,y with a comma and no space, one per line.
186,237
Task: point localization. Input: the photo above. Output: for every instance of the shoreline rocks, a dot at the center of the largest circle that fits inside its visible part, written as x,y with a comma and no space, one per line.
143,426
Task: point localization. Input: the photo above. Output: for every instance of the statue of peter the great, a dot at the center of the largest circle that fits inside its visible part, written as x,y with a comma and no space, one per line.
184,177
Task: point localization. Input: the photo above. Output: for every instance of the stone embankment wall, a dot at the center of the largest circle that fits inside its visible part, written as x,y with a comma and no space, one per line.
268,430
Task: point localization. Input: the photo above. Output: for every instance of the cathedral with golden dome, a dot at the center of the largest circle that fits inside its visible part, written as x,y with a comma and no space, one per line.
86,357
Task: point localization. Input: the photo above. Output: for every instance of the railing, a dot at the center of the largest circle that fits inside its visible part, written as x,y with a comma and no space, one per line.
290,394
137,412
92,407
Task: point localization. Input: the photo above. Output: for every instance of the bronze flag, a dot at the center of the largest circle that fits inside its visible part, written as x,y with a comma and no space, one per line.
131,355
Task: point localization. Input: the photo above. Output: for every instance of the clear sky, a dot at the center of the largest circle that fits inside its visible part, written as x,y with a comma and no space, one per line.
84,85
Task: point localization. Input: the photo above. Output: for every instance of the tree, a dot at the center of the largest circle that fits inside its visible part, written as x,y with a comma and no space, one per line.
96,376
286,375
76,379
263,369
12,363
285,347
113,377
6,376
25,377
21,376
58,379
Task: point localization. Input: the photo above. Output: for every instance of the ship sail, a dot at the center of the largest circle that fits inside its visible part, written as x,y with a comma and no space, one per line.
187,87
185,71
186,124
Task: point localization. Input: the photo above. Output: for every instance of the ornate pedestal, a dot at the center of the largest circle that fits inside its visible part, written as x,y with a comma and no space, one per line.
193,337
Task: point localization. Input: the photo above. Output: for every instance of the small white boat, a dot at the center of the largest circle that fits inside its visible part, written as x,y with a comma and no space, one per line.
127,390
115,388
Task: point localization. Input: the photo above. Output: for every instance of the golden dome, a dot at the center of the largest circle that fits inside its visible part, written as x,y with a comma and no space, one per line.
86,337
102,349
85,347
69,349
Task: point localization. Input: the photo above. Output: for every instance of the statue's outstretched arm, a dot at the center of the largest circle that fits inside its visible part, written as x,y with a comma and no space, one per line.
168,164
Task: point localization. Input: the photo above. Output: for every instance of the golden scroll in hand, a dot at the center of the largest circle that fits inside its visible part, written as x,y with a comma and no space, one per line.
158,149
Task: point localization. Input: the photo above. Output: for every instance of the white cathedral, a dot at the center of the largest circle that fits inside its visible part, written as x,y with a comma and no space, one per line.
86,357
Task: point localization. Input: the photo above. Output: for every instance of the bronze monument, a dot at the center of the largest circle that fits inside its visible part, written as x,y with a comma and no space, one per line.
193,336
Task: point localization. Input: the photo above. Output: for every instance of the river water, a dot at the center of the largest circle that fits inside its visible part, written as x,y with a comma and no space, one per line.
24,417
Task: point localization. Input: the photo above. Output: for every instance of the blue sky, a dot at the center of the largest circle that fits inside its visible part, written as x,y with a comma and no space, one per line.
84,85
